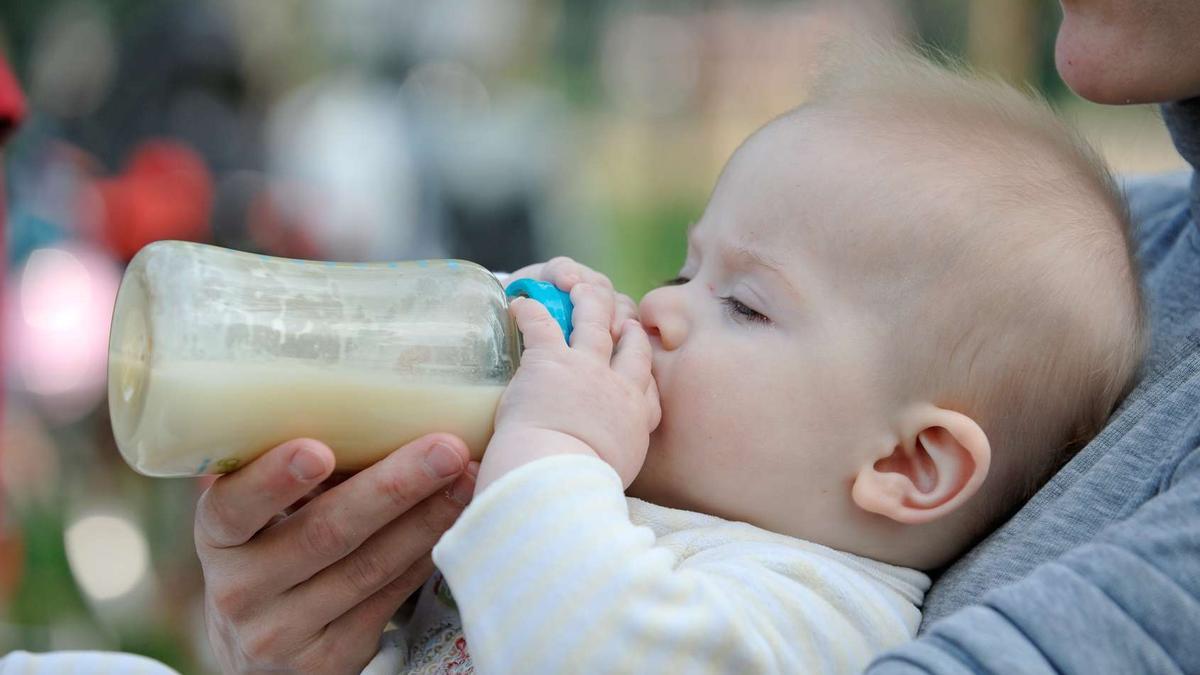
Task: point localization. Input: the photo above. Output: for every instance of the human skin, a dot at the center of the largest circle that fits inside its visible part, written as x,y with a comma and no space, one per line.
303,571
1107,51
1130,51
593,397
789,345
302,574
767,358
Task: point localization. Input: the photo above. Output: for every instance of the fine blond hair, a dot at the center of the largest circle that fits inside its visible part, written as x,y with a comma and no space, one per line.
1035,308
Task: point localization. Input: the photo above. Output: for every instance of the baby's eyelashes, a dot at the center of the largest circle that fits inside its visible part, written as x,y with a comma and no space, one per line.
736,308
741,311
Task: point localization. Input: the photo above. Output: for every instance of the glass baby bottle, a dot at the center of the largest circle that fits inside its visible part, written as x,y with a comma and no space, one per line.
216,356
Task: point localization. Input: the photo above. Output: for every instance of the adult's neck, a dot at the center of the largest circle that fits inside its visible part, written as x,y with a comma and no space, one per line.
1183,121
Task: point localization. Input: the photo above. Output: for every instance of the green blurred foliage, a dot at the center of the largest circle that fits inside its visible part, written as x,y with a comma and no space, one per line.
649,243
48,593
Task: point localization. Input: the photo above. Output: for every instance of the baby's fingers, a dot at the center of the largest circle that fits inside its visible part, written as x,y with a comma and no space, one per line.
538,328
565,273
654,404
626,309
533,271
591,319
632,358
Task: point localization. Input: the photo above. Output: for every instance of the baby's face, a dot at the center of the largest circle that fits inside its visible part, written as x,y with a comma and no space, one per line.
762,353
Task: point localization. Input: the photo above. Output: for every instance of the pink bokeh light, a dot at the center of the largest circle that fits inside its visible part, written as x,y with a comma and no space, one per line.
57,314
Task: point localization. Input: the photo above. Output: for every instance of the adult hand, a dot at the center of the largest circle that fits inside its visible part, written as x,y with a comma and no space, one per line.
303,575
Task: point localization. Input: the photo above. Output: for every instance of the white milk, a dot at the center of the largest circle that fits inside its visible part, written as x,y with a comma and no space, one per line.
193,417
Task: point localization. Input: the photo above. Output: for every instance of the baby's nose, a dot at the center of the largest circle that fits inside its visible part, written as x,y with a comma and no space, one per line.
655,337
663,318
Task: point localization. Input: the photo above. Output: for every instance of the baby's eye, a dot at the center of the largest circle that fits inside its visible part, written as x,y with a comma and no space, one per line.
739,310
677,281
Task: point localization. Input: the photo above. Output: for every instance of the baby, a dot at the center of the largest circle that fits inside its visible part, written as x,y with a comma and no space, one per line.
906,303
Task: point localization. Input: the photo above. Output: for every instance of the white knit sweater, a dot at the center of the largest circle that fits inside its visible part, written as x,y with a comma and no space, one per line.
554,570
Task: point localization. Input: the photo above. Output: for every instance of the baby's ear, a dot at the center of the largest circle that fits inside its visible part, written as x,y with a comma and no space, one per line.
938,463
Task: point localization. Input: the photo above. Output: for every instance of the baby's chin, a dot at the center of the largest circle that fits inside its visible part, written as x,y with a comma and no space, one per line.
644,487
652,483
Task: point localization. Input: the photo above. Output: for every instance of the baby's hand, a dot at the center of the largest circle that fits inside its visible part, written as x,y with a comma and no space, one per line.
583,399
564,273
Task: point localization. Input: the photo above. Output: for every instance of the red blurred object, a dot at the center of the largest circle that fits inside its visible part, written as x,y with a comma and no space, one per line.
12,104
166,192
277,230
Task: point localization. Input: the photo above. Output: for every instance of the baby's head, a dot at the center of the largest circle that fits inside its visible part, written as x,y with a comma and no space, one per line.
905,304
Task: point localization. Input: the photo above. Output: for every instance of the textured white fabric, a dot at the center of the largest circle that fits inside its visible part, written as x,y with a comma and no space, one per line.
80,663
554,570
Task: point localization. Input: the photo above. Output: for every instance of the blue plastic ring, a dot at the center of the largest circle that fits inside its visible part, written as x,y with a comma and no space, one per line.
558,302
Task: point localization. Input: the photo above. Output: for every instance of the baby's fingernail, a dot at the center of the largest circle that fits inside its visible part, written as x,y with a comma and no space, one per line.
442,461
473,468
305,465
462,490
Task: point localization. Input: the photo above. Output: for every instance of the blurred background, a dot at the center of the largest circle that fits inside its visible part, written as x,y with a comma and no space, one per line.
500,131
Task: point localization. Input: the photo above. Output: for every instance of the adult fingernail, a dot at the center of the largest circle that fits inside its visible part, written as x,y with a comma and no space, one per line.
462,490
305,464
442,461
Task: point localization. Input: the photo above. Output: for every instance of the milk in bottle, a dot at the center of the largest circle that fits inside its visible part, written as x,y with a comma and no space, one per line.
216,356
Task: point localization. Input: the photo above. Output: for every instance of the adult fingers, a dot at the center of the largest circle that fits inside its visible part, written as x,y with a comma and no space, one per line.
335,523
238,505
329,483
591,319
354,637
538,329
387,556
632,358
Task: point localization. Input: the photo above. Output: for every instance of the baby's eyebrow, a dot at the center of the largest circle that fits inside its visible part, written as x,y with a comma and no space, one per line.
740,255
746,255
736,254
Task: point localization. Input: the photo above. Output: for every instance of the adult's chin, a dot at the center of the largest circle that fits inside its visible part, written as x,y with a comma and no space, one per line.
1112,58
1091,64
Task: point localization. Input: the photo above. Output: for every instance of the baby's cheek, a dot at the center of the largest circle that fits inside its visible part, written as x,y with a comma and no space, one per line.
716,399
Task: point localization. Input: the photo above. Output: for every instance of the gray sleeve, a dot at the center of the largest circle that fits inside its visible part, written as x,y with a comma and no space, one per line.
1153,199
1126,602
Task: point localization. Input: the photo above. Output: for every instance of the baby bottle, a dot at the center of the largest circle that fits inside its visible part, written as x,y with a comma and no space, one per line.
216,356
